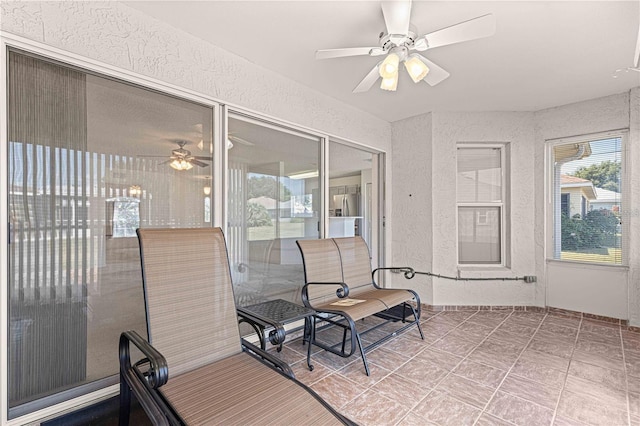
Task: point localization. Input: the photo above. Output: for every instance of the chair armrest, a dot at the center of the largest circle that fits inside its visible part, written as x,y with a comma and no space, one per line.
265,356
158,372
341,292
408,274
278,334
406,270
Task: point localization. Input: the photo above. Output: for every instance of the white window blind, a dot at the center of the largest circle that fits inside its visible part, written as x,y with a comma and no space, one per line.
480,189
587,188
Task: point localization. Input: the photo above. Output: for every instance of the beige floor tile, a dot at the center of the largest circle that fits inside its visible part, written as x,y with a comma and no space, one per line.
562,320
481,373
634,403
606,396
539,372
442,359
465,390
385,358
551,347
568,333
590,410
541,394
613,379
519,411
516,327
600,360
371,408
356,373
489,420
479,330
602,349
406,345
508,336
454,344
307,377
399,389
445,410
566,421
337,390
586,336
423,373
548,360
413,419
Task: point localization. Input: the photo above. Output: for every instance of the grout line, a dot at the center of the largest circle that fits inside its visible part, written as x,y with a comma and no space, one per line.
484,409
566,377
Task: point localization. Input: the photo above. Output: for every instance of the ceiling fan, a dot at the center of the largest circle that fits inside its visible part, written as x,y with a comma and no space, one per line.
181,159
399,42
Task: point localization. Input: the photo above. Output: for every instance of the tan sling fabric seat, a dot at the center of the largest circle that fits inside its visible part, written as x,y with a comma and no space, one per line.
200,370
245,393
338,273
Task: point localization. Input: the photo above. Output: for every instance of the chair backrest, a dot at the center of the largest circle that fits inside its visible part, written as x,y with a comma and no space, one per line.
335,260
190,308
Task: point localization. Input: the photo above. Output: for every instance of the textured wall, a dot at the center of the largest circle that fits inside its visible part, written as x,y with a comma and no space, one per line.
115,34
412,204
593,116
513,128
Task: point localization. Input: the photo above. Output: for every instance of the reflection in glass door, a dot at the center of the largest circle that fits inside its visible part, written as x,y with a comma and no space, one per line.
273,200
351,192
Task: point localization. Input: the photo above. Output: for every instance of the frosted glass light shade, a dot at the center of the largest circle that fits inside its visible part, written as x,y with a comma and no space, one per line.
181,164
416,68
389,66
390,84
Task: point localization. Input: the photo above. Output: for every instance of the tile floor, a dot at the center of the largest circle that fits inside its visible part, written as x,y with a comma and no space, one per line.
486,368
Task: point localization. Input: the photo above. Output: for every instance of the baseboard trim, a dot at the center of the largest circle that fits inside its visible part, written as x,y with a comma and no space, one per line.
548,310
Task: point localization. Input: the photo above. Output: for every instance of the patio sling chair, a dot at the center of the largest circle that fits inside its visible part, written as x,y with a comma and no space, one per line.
196,368
341,288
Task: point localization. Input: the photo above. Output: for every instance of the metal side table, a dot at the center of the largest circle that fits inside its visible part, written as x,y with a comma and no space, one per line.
275,314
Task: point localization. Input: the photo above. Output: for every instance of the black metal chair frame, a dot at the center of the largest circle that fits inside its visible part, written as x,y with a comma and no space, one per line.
349,325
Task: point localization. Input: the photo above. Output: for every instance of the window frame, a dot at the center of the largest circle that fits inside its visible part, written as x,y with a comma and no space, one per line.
502,205
623,134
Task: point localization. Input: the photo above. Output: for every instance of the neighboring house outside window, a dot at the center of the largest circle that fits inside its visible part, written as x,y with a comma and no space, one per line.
564,204
587,189
480,203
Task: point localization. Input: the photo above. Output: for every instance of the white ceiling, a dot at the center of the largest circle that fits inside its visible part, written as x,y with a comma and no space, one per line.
544,53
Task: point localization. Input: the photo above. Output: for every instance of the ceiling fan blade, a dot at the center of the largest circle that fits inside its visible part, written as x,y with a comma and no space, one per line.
241,141
396,16
339,53
482,26
200,157
436,73
197,162
369,80
636,58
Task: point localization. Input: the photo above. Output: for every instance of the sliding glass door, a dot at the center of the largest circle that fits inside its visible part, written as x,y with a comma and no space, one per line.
90,159
273,200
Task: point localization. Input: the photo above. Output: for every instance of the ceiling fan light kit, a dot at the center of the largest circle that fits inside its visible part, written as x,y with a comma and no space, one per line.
416,68
399,40
181,164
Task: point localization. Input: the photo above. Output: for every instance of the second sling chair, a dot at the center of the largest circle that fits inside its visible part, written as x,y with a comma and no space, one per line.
341,288
196,369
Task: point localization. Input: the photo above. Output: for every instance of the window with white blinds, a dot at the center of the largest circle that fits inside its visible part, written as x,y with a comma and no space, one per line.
587,203
480,202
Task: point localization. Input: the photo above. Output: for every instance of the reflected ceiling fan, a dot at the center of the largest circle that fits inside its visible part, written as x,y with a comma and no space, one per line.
400,44
181,159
